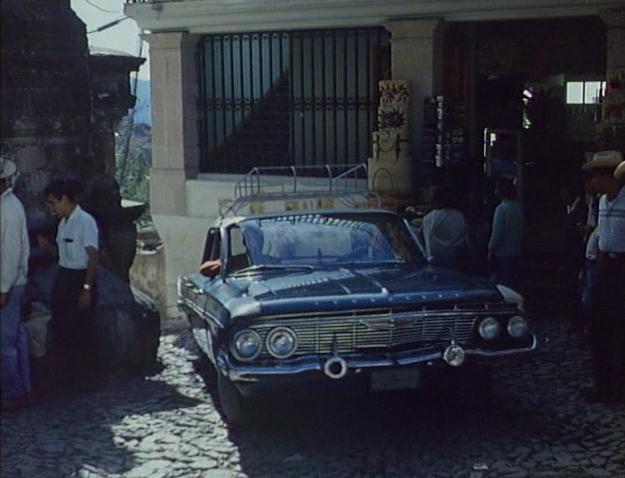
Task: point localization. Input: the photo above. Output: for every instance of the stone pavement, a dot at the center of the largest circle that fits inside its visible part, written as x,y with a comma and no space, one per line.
166,425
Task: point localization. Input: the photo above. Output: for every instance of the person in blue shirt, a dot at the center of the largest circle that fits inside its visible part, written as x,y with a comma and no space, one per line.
504,246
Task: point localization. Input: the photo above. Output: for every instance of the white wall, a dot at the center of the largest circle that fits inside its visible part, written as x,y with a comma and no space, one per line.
183,236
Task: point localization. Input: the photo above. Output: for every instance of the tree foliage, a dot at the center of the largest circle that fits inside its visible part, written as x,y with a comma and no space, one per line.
133,163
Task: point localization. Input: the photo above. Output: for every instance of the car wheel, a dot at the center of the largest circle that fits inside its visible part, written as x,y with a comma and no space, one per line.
233,404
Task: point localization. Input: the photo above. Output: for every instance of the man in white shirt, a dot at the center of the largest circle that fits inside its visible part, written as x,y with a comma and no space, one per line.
608,296
73,294
14,252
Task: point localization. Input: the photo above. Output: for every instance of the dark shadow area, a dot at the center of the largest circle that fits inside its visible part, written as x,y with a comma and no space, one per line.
41,441
314,434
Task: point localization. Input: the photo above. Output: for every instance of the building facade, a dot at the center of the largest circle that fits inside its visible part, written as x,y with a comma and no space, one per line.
281,82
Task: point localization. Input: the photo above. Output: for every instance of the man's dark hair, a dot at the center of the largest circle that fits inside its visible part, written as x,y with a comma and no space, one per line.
63,187
505,188
445,197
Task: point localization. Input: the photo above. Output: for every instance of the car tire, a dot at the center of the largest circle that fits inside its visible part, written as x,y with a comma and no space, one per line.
206,370
233,404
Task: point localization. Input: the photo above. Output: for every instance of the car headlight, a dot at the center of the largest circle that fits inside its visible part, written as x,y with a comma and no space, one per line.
281,342
489,328
517,327
246,345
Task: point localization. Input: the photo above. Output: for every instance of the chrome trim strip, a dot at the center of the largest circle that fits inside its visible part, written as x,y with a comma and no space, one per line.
386,313
290,321
311,363
364,331
188,306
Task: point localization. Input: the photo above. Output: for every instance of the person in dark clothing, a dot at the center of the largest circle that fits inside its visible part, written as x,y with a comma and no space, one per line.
591,254
575,220
73,294
504,246
576,213
608,319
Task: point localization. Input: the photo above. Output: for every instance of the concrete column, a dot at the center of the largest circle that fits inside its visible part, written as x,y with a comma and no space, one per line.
417,56
174,93
613,126
175,153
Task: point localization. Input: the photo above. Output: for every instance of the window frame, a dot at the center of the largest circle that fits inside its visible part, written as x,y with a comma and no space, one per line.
584,83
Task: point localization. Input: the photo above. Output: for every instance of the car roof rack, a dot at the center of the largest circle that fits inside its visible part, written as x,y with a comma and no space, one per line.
348,184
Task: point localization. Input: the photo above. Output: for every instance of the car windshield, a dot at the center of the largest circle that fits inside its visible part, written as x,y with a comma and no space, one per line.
331,238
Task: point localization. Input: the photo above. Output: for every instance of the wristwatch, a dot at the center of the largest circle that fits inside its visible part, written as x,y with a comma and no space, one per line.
86,286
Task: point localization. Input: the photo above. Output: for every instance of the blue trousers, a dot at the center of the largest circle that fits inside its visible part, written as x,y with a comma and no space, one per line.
15,365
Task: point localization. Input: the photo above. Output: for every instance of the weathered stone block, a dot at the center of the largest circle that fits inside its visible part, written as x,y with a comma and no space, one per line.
127,324
391,176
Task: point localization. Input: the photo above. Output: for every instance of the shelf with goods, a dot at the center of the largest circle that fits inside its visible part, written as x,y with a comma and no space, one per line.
445,138
610,136
610,133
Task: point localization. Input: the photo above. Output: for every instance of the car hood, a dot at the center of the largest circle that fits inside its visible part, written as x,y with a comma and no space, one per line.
370,287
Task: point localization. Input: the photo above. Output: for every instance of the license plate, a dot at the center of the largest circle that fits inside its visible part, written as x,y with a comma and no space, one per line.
395,379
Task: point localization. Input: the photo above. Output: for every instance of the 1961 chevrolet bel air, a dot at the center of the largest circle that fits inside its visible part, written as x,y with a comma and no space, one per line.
297,298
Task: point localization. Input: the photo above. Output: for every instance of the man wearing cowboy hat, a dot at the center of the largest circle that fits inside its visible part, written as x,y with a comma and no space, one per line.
619,172
14,251
608,321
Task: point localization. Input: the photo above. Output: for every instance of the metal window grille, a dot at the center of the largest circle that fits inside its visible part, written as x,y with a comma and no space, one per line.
305,98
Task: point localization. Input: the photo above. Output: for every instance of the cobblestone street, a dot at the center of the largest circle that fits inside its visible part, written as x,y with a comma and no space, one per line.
166,425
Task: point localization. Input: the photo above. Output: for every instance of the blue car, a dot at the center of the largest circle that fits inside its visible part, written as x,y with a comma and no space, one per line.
293,299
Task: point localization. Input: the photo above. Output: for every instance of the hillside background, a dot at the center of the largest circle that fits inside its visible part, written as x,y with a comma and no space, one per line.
133,151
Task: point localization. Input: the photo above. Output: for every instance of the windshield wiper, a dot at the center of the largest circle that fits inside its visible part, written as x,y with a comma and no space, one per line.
273,267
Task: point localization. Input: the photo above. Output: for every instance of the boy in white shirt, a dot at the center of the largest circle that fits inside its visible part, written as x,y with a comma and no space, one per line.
73,294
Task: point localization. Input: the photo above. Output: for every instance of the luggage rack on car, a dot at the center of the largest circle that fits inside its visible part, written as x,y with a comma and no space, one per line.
347,184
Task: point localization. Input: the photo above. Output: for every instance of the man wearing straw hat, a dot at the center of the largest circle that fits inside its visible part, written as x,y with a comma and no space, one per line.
608,321
14,251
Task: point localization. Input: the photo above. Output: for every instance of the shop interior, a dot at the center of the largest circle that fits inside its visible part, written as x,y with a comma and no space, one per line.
531,94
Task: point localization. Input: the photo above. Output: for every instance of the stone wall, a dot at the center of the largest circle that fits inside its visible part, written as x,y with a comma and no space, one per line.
148,275
44,100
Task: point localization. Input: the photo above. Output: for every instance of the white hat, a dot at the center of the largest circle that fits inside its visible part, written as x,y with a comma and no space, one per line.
7,168
619,172
603,160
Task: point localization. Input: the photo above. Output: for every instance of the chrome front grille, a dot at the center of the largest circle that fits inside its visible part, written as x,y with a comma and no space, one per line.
381,331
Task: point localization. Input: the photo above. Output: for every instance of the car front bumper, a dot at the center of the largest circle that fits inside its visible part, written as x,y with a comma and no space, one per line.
238,372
